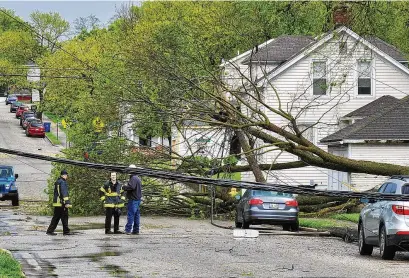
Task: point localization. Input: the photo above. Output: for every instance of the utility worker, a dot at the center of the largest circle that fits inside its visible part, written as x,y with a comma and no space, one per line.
111,194
61,203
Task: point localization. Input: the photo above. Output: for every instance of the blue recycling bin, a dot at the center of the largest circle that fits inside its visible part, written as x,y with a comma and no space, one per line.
47,126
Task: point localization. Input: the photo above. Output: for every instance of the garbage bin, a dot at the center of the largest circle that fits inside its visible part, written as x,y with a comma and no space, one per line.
47,126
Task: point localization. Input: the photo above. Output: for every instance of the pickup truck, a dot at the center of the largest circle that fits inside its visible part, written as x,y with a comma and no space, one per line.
8,187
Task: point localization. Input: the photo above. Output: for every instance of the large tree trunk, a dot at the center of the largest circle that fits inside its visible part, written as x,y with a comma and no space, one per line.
251,158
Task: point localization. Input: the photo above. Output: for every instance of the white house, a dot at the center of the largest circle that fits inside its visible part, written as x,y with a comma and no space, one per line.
321,80
379,132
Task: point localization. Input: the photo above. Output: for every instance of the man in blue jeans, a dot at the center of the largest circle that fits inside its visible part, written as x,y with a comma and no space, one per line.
134,194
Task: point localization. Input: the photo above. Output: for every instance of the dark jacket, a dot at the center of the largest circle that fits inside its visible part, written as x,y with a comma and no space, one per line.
61,193
112,195
134,188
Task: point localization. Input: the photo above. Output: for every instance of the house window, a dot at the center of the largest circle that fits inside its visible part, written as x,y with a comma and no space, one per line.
364,78
319,78
201,144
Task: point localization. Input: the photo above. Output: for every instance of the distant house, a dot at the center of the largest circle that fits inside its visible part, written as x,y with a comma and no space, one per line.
327,81
379,132
144,145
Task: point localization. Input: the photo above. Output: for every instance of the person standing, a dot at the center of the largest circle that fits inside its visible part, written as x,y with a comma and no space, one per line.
134,194
61,203
111,195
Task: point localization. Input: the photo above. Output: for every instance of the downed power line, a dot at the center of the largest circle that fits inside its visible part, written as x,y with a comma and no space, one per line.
175,176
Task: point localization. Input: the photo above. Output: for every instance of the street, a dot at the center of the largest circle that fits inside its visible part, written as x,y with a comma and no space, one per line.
171,247
33,174
166,247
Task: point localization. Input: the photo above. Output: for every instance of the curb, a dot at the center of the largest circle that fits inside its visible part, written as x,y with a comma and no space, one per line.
49,141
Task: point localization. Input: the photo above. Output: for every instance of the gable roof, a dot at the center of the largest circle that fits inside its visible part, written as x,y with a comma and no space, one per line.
387,48
280,49
391,123
373,107
385,51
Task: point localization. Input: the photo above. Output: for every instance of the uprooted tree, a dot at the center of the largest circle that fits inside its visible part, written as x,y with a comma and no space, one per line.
156,69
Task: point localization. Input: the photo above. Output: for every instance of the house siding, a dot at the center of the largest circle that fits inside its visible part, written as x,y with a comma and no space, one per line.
393,153
294,87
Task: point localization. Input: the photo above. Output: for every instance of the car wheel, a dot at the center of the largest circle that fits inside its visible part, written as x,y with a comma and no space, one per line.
386,252
287,227
236,222
364,249
245,224
295,227
15,202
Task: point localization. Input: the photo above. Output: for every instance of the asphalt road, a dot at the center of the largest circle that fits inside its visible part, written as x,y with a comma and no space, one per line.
33,174
169,247
166,247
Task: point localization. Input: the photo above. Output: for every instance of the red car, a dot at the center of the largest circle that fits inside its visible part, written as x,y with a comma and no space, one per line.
20,110
28,120
35,128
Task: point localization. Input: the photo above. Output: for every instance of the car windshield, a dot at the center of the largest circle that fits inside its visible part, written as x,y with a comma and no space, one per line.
5,172
261,193
12,96
36,124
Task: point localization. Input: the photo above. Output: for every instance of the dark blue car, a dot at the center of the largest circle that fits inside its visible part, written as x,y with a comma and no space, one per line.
8,187
10,99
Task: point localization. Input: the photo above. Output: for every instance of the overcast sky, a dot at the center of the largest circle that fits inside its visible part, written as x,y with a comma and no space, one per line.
69,10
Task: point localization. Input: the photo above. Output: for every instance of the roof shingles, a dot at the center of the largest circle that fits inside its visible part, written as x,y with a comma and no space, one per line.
391,123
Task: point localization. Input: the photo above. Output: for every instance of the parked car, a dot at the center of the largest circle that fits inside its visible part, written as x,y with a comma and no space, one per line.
10,99
27,120
26,114
20,110
385,223
35,128
267,207
14,106
8,187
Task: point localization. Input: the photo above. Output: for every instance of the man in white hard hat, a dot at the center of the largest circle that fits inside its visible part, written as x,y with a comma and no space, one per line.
134,194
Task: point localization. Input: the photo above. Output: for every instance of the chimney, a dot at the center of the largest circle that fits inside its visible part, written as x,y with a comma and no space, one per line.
340,16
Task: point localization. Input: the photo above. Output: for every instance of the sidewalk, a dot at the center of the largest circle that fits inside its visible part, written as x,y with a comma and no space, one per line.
62,137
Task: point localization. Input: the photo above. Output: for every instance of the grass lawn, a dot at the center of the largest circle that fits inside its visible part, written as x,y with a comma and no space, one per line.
336,220
53,138
353,217
55,119
9,267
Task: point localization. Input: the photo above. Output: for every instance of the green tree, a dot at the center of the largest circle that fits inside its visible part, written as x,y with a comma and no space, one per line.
49,27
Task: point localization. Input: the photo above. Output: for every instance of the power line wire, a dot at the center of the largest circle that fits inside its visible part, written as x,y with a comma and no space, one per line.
179,177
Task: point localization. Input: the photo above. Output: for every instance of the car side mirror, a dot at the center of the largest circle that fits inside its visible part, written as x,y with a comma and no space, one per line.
16,176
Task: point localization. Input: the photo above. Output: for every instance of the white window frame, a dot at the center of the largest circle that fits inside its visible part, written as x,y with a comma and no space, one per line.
327,76
372,76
